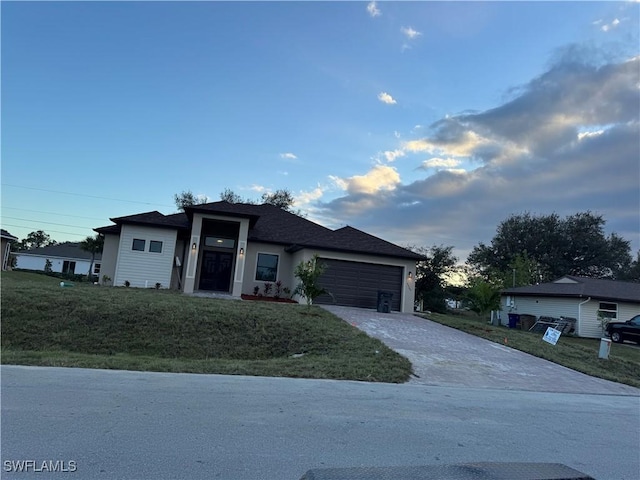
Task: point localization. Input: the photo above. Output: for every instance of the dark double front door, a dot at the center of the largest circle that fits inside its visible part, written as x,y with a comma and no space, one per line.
215,271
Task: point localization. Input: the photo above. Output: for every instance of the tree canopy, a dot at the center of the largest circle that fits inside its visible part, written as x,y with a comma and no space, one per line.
93,245
431,276
549,246
35,239
281,198
186,198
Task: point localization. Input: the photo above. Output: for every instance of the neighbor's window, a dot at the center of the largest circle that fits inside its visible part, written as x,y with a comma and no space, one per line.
155,246
68,267
96,269
608,310
267,267
138,245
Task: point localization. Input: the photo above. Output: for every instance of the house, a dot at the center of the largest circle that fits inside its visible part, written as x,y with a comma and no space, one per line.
576,297
65,257
232,248
5,247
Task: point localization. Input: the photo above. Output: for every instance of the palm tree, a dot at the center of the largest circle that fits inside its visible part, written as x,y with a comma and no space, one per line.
93,245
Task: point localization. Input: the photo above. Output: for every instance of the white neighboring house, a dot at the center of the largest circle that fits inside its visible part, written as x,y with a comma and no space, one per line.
577,297
65,257
6,239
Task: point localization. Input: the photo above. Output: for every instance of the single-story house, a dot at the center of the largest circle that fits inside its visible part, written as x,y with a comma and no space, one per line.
65,257
5,247
584,299
232,248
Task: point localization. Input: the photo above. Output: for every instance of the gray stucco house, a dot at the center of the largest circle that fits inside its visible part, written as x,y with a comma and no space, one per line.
231,248
575,297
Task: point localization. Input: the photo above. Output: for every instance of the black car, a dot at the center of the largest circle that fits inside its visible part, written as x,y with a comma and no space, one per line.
621,331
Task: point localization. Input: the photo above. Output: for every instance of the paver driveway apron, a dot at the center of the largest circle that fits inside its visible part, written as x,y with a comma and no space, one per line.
444,356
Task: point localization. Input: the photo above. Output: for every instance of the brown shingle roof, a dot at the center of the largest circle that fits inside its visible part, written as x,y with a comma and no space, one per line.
271,224
582,287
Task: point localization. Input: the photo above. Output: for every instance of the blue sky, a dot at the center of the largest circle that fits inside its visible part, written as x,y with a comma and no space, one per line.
425,123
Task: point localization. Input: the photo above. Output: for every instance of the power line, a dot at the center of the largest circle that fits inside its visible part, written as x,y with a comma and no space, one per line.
51,213
53,231
85,195
40,221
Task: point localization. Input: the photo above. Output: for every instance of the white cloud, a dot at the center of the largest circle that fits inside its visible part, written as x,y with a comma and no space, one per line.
392,155
447,163
373,10
410,33
258,188
384,97
305,198
379,178
288,156
609,26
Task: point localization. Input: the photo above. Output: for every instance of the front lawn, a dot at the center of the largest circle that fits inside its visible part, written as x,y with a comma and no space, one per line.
161,330
579,354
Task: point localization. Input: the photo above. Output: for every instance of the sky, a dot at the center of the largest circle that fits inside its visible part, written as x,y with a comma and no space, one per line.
424,123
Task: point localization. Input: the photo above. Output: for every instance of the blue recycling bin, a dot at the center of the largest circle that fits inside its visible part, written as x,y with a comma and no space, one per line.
514,319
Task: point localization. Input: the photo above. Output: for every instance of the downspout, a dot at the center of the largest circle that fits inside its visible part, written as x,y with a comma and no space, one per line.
580,314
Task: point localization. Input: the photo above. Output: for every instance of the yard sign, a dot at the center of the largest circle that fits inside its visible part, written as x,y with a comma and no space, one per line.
551,335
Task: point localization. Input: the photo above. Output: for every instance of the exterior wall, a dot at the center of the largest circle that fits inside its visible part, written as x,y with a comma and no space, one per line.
407,303
37,262
5,251
144,268
178,273
285,267
109,257
584,310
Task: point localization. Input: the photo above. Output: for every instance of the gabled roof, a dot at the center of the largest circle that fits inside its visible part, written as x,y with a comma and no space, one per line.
69,250
581,287
271,224
7,235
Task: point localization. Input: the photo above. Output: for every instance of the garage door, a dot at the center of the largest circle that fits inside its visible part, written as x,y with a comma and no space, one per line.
356,284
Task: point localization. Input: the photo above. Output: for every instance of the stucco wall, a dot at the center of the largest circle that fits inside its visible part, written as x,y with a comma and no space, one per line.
109,257
145,268
37,262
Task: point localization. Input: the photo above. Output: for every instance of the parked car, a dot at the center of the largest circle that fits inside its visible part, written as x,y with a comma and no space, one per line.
621,331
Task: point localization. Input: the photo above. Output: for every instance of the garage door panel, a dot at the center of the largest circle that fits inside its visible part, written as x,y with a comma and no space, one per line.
357,283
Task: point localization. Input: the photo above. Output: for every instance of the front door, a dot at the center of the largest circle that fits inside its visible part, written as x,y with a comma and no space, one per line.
215,271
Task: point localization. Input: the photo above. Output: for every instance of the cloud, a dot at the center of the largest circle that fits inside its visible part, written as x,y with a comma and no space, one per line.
258,188
384,97
609,26
410,33
373,10
288,156
380,178
305,198
392,155
565,142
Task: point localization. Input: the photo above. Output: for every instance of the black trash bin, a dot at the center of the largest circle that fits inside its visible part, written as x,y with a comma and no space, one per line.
514,319
384,301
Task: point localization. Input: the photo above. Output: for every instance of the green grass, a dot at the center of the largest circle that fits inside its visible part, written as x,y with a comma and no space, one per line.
161,330
579,354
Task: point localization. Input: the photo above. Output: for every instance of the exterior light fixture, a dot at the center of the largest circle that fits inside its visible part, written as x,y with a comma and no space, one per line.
410,275
194,246
241,251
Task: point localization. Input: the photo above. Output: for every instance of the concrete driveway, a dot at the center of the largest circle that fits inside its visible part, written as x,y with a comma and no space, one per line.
444,356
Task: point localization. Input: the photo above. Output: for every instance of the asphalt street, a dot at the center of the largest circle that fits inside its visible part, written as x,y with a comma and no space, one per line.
135,425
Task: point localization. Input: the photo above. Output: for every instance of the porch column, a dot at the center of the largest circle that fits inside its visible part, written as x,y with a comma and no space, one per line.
192,255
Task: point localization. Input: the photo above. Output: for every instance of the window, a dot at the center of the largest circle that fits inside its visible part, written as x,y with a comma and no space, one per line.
68,267
138,245
96,269
608,310
267,267
155,246
219,242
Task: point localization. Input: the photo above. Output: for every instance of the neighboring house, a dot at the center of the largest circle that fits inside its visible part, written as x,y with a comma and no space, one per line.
233,248
5,247
65,257
576,297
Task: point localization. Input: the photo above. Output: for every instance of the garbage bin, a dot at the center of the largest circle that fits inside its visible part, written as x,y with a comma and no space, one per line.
514,318
384,301
527,321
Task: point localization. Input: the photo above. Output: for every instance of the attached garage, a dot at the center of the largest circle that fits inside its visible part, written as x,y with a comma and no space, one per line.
356,284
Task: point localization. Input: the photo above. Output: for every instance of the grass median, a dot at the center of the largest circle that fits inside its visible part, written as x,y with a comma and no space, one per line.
581,354
160,330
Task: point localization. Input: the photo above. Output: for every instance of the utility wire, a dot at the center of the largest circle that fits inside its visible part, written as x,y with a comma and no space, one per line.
52,213
87,196
53,231
40,221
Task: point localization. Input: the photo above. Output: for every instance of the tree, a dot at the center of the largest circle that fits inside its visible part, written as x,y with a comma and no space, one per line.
309,272
186,198
93,245
35,239
575,245
281,198
431,276
228,195
483,297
